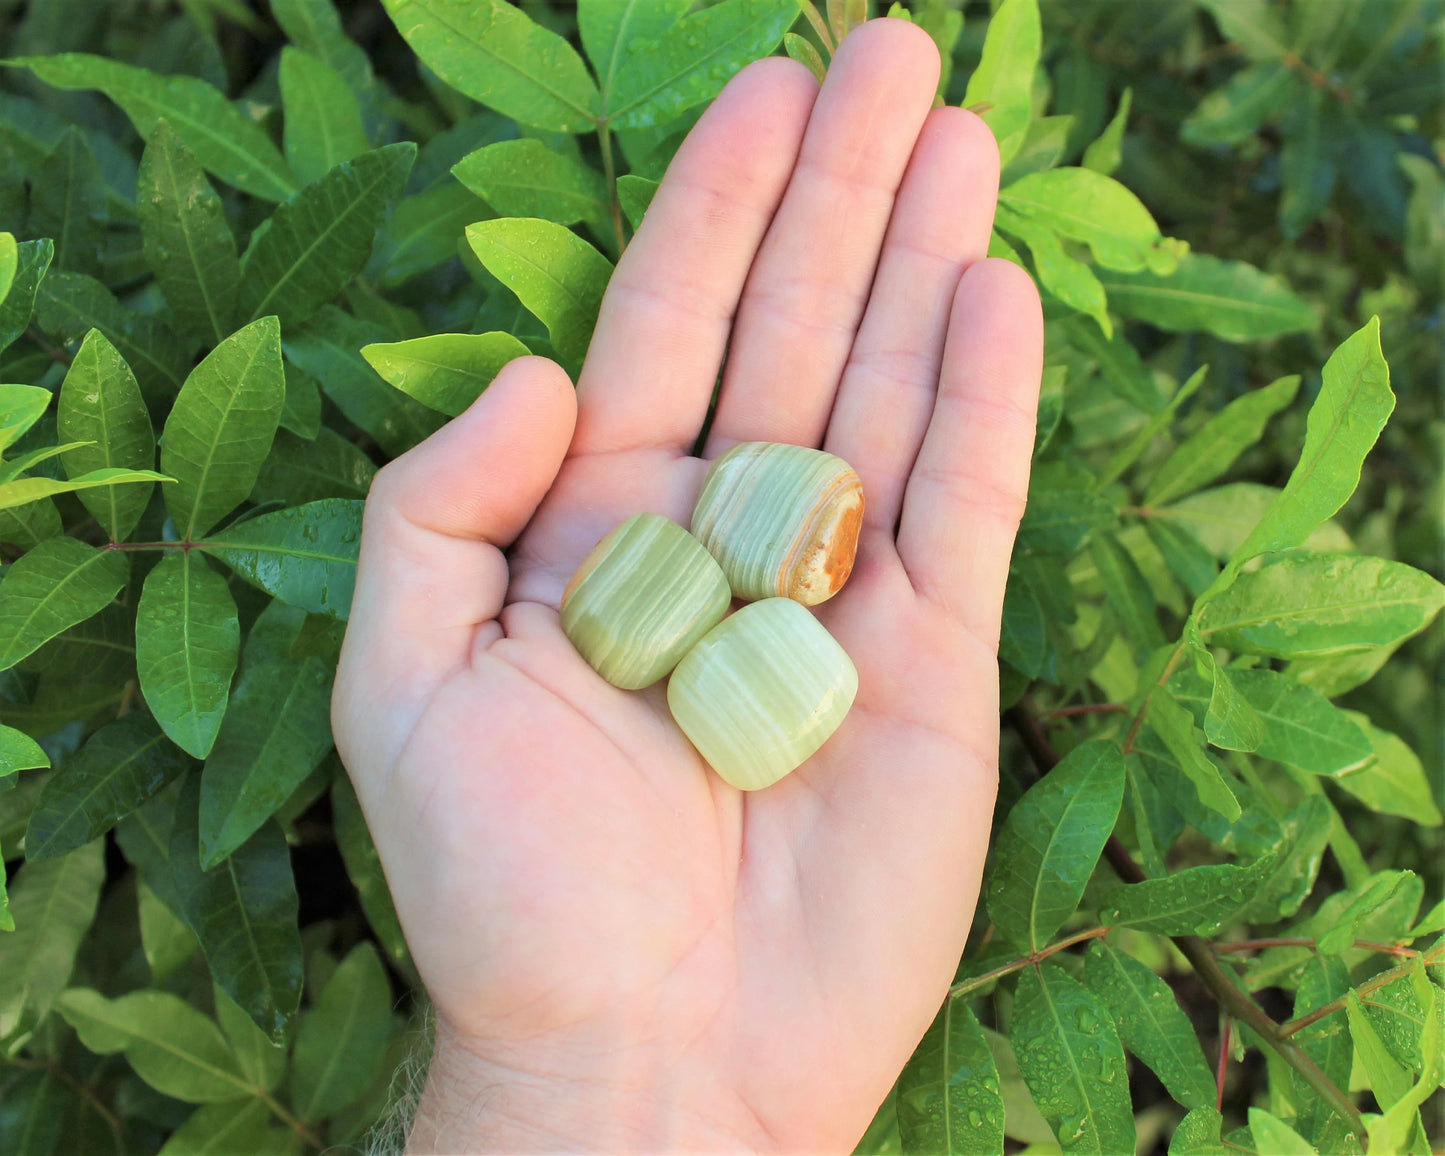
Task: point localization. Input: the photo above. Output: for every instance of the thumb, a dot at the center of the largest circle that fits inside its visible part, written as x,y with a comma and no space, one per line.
437,520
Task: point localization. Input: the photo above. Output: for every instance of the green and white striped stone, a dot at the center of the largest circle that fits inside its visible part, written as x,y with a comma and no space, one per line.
641,598
782,520
762,692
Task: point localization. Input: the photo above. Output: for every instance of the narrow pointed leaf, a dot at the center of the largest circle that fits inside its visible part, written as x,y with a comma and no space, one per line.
32,259
188,241
1321,604
172,1047
635,194
660,78
244,913
524,178
1070,1056
1151,1023
323,116
1104,154
446,371
101,402
315,27
1273,1135
496,54
1250,98
305,556
1210,452
343,1039
51,588
224,140
424,231
1061,274
1050,842
52,905
23,491
949,1100
73,210
276,731
1195,901
1004,78
363,865
1088,206
9,262
187,640
1127,593
1394,783
317,241
220,429
119,768
556,274
1174,725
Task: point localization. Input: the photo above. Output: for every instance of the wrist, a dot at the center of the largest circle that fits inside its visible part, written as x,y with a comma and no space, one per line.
572,1096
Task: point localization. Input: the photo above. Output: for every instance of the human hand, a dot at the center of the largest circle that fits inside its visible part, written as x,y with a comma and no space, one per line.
625,953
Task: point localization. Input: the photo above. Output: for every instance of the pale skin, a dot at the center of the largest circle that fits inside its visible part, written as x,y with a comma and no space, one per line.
624,953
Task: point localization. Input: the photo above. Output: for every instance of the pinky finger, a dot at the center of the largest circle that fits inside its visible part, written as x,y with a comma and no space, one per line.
966,494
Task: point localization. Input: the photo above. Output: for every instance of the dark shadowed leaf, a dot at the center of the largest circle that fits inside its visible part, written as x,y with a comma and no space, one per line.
1151,1023
342,1040
297,471
1127,593
32,259
1250,98
949,1099
1175,727
1059,521
220,429
119,768
101,402
276,731
305,556
363,865
187,639
1070,1056
1050,842
72,212
1023,638
244,914
51,588
188,241
317,241
425,230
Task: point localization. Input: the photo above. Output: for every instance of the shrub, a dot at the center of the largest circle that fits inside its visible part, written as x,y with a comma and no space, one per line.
284,265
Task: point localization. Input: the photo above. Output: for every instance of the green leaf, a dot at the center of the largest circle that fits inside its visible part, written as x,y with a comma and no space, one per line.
363,865
276,731
1321,604
660,78
1394,782
229,1129
1151,1023
1374,896
496,54
323,117
1213,449
1230,299
1104,154
314,243
1070,1056
225,141
244,914
23,491
1175,727
172,1046
1308,161
51,588
608,27
425,230
70,305
305,556
33,1113
1194,901
446,371
301,411
100,402
1059,521
1023,639
30,523
53,905
1274,1136
1088,206
1050,842
1250,98
119,768
315,27
187,640
1230,720
948,1095
1127,593
19,752
1064,276
72,211
1004,78
20,408
635,194
188,241
298,471
1222,517
1388,1079
801,49
220,429
32,260
524,178
165,938
262,1061
556,274
343,1039
9,262
1198,1134
328,349
1302,728
1352,407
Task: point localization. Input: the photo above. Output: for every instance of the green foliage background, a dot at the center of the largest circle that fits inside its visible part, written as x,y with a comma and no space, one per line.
283,243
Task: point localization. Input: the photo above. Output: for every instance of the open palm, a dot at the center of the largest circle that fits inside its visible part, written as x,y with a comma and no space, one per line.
624,952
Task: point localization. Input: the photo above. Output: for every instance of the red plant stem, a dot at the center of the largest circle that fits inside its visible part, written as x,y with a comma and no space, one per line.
1360,944
978,981
1433,956
1223,1063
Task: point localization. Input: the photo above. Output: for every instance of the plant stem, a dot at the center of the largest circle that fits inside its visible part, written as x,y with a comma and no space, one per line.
291,1121
1261,944
1223,1066
963,987
609,170
52,351
1433,956
84,1091
1197,950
